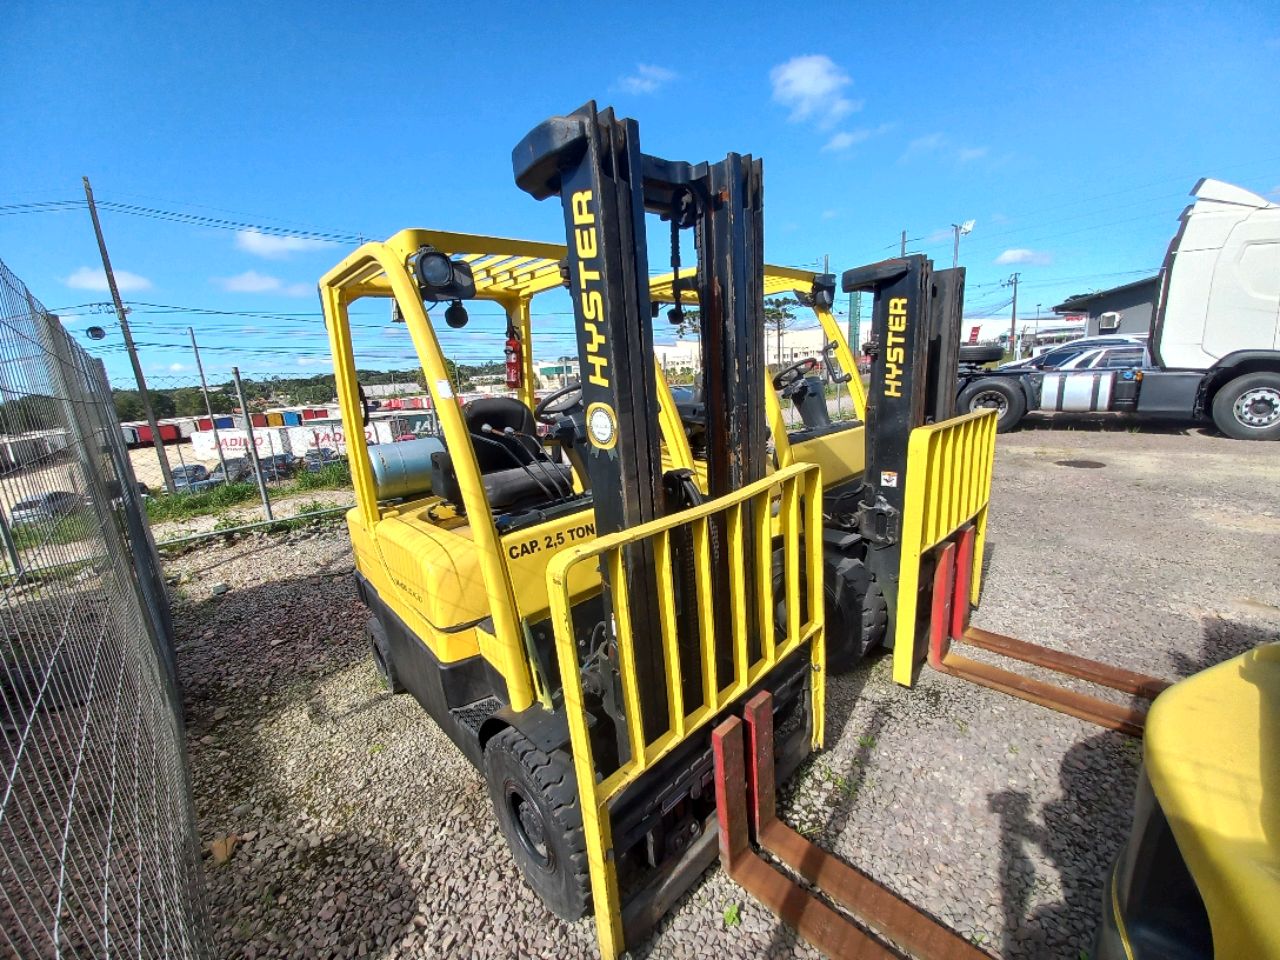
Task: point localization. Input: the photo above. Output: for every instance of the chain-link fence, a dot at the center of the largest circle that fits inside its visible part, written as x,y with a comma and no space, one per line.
293,426
98,850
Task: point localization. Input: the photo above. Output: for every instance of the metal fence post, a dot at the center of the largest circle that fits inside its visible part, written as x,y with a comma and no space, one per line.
253,444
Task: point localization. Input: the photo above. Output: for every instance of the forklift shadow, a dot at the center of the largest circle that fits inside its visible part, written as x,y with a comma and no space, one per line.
843,693
1080,832
1221,639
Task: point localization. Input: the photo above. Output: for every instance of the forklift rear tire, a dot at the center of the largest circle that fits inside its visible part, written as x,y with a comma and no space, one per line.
382,661
856,612
1004,395
535,796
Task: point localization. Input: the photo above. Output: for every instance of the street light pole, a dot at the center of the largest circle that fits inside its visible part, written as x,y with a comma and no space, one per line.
959,230
143,395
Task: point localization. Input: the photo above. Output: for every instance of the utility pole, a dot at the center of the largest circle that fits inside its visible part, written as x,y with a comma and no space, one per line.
143,395
253,445
213,423
1013,322
902,249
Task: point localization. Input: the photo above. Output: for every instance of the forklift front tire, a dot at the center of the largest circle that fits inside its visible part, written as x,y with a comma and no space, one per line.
382,661
535,796
855,610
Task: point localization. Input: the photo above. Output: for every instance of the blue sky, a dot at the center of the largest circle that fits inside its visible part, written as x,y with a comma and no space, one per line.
1071,133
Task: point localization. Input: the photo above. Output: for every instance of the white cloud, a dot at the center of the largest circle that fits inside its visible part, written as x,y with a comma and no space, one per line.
926,144
848,138
648,78
841,141
942,145
273,247
1035,258
93,278
251,281
811,87
177,367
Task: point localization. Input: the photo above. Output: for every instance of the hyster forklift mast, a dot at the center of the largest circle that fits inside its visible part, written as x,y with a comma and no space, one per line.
693,621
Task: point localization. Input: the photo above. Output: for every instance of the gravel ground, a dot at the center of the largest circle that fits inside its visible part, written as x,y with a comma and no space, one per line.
355,828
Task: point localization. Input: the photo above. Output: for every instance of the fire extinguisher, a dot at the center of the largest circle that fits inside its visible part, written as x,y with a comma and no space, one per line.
513,358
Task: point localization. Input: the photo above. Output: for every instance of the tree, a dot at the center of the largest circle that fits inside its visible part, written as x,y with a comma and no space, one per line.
189,402
129,404
321,392
690,324
777,318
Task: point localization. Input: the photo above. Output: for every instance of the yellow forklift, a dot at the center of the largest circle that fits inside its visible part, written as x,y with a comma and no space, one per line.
598,616
576,628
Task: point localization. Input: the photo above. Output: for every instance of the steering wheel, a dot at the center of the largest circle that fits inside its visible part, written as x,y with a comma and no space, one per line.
794,373
558,403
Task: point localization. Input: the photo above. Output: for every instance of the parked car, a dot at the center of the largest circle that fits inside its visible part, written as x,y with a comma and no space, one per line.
277,466
315,460
1077,354
47,506
238,470
116,492
185,478
1096,373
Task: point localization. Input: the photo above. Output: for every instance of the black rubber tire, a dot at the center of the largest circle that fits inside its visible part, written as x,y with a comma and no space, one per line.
554,864
980,353
855,609
1226,417
1015,404
382,660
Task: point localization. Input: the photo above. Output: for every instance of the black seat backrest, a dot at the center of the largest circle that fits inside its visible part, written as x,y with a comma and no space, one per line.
493,451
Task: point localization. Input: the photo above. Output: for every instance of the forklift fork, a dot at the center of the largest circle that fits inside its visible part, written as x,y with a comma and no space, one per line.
746,806
949,624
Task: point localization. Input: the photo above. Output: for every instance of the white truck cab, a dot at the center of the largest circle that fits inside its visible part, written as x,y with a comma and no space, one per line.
1220,285
1214,343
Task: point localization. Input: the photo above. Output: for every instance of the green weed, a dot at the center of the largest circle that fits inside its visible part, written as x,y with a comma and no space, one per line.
332,476
179,506
732,915
70,528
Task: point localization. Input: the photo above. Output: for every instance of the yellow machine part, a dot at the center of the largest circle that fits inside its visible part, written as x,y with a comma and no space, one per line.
797,492
948,485
1212,754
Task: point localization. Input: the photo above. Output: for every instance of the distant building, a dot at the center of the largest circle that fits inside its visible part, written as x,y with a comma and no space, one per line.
553,374
684,356
1126,309
372,390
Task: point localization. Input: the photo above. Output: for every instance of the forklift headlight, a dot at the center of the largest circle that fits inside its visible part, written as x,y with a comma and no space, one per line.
442,278
435,269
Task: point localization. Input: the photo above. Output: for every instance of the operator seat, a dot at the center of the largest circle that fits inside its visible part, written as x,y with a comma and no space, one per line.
515,470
